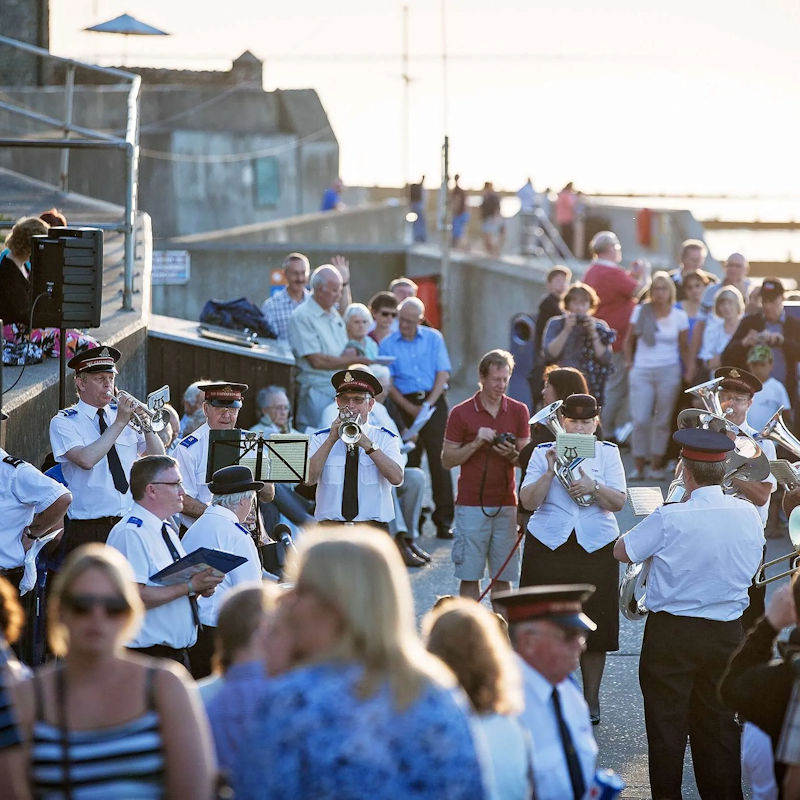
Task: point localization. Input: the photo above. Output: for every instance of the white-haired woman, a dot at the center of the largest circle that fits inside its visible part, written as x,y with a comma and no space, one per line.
103,722
367,712
358,320
719,329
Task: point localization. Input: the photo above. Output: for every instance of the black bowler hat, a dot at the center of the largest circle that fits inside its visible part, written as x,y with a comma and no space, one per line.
356,380
738,380
699,444
561,604
580,406
96,359
230,480
224,395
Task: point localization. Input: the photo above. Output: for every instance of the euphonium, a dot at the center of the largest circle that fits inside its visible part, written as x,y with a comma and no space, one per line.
632,590
708,393
776,431
564,469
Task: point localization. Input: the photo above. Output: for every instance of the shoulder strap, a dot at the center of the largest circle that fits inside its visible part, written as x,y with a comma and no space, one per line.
38,698
61,703
150,689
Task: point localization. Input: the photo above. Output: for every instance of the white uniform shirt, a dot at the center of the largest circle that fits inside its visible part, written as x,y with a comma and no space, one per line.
93,491
704,554
220,529
374,491
192,457
772,396
138,537
24,492
769,451
559,514
550,772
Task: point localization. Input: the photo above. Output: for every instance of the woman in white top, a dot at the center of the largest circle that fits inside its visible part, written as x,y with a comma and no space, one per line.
728,311
656,344
472,641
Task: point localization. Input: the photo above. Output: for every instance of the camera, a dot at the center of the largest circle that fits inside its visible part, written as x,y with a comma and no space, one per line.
582,319
504,437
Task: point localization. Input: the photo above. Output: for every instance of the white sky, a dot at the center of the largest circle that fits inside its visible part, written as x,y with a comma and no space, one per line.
623,95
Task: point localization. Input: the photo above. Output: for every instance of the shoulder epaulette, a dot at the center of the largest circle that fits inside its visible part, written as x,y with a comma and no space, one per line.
610,444
15,462
68,412
386,430
544,444
188,441
113,404
324,430
241,527
134,521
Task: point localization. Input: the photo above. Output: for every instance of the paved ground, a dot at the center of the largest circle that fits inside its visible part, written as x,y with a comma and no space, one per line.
621,734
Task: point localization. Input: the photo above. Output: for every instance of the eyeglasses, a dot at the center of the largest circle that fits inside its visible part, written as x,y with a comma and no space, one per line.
167,483
388,313
278,408
736,400
82,604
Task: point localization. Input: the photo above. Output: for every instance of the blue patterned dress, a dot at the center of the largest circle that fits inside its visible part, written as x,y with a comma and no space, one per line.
315,739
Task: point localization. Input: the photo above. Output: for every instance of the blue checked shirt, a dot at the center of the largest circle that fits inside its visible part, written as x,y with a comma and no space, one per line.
278,308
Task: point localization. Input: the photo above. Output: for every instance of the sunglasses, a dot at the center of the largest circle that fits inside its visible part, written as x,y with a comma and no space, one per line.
82,604
388,313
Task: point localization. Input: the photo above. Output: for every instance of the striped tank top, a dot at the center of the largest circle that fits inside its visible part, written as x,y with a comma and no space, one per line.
122,761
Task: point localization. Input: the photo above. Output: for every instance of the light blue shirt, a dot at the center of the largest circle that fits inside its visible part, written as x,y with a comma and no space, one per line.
416,361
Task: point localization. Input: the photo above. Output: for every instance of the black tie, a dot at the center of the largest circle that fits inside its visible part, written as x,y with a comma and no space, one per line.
573,764
112,456
350,487
176,556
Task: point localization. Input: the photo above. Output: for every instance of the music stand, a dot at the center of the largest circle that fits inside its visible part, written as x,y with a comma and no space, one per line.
282,458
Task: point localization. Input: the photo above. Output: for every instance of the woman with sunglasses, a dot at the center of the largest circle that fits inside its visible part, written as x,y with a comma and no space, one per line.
104,722
383,307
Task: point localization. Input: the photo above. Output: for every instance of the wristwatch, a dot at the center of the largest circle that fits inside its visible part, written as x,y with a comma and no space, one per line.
372,449
189,591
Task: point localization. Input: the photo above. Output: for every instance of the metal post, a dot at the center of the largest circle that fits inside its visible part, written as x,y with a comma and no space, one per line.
62,370
130,188
69,88
445,269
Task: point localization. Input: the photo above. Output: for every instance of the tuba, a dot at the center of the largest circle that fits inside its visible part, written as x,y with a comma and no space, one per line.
632,591
564,468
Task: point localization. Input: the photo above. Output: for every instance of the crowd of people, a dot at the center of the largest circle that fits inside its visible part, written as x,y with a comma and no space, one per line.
224,680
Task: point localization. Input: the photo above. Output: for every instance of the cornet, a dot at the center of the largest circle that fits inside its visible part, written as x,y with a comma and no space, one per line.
350,428
149,417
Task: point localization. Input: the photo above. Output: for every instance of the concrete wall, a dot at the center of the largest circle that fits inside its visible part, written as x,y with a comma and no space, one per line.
29,22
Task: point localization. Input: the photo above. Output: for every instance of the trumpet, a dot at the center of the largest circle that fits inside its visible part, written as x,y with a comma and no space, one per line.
148,417
350,428
564,468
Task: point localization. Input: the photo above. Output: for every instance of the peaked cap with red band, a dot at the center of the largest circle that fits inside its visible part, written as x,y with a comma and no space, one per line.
699,444
97,359
738,380
561,604
224,395
356,380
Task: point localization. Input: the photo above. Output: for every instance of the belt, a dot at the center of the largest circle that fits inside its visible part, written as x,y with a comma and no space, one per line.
96,520
416,397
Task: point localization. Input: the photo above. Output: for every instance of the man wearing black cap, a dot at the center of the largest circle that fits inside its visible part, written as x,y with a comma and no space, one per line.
354,480
221,407
774,327
548,631
233,492
96,447
703,554
150,544
31,505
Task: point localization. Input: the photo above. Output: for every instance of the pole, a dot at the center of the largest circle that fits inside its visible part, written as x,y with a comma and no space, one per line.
406,100
62,370
68,101
446,226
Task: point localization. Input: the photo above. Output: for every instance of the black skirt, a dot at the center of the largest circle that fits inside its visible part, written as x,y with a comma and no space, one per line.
570,563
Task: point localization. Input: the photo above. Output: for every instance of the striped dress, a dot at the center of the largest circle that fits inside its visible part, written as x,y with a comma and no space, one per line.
121,761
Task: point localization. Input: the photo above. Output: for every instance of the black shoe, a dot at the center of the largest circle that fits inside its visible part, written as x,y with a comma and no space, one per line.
409,559
417,551
444,532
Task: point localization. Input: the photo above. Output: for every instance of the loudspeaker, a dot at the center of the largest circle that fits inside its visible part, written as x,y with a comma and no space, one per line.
67,270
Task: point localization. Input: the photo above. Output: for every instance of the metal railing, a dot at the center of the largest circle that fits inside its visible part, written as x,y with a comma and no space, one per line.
539,237
92,139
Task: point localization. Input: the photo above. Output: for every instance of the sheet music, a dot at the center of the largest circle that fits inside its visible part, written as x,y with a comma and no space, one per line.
570,446
645,499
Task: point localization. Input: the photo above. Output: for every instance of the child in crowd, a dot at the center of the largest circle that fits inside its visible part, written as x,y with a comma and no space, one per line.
773,393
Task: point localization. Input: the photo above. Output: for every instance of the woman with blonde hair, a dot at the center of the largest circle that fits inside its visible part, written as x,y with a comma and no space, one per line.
105,723
656,344
470,640
367,712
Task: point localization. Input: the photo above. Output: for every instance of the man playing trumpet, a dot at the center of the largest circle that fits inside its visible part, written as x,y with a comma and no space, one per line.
96,447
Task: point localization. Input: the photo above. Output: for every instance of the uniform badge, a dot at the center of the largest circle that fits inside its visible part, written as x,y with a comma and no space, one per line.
134,521
734,373
188,441
348,378
69,412
15,462
104,353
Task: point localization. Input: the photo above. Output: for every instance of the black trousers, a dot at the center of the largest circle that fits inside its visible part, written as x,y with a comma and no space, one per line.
181,655
682,661
83,531
201,652
431,439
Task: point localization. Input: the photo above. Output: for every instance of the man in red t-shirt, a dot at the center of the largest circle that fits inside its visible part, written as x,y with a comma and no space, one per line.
618,290
484,436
